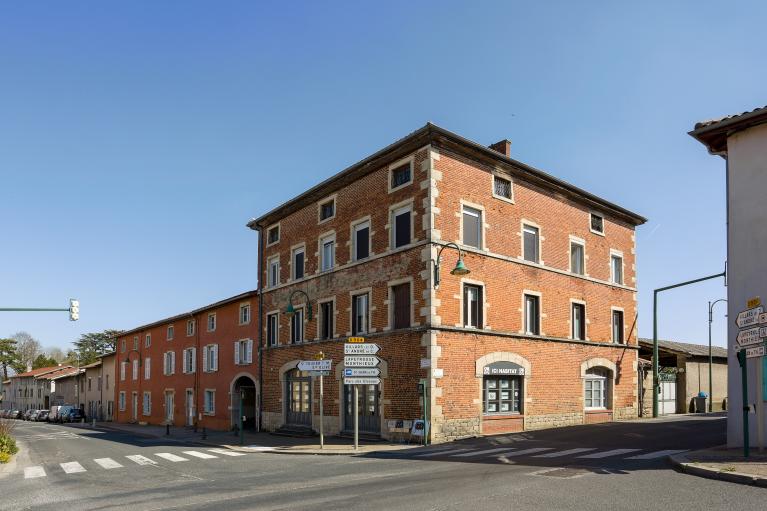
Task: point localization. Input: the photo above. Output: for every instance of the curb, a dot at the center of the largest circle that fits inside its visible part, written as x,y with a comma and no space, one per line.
683,464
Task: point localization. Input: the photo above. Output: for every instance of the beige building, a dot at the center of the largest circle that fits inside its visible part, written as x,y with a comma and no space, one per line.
107,393
66,387
683,375
97,382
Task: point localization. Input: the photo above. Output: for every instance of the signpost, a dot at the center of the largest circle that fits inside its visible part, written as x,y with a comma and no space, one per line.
749,317
360,369
751,344
319,367
361,361
361,349
755,351
749,336
362,381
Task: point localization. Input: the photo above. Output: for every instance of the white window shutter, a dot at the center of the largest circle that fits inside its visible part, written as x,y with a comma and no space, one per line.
212,402
193,361
172,362
205,359
147,368
214,353
237,353
249,352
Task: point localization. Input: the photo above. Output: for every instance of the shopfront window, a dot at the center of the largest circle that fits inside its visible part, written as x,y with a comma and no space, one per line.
502,388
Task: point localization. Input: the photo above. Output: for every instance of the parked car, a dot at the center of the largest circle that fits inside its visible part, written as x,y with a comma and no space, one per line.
27,414
32,414
62,413
73,415
42,416
53,413
4,414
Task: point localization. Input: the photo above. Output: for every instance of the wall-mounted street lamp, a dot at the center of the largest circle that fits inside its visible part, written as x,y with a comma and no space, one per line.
291,310
127,357
460,267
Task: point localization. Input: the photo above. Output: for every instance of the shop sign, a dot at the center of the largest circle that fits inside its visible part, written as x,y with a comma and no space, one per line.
503,369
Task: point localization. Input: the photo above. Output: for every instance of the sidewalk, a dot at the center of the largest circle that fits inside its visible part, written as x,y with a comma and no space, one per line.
254,442
724,464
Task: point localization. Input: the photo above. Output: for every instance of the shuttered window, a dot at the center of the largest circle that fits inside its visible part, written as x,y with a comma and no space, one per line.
360,314
361,241
297,327
532,315
402,235
576,258
271,329
326,320
618,326
530,240
579,321
401,296
472,306
472,227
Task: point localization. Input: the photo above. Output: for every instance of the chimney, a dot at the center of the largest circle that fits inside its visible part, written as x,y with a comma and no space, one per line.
503,147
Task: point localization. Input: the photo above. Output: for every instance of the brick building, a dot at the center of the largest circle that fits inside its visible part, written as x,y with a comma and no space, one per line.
540,333
185,370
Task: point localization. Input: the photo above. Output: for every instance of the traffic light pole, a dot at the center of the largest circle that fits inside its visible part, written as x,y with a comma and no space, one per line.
73,310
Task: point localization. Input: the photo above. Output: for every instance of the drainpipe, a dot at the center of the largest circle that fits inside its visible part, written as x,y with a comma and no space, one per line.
197,375
260,328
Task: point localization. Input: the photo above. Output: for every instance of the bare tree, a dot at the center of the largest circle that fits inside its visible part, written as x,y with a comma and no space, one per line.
27,349
56,354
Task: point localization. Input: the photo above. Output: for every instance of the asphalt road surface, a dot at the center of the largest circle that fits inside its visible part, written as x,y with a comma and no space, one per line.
608,466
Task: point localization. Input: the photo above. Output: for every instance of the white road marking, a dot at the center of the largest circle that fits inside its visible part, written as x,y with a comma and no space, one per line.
479,453
568,452
141,460
201,455
227,452
72,467
32,472
657,454
437,453
107,463
170,457
526,451
607,454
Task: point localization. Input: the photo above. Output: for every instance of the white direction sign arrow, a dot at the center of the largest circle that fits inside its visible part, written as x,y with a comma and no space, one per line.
749,317
361,371
361,349
749,336
755,351
315,365
362,381
361,361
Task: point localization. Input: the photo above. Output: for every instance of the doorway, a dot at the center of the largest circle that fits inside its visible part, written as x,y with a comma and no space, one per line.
189,407
667,396
367,399
298,389
244,389
135,407
169,406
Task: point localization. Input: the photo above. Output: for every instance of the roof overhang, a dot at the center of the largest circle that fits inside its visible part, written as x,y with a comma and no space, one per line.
714,134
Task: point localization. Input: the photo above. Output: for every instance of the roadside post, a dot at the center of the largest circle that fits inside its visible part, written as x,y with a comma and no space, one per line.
242,432
750,343
319,367
360,363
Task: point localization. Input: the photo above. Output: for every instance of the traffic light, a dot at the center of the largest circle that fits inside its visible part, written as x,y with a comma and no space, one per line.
74,310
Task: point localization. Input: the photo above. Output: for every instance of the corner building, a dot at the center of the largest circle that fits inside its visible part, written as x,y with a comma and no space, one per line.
540,333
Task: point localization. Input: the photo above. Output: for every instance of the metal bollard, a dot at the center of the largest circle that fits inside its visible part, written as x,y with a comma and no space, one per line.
204,433
167,430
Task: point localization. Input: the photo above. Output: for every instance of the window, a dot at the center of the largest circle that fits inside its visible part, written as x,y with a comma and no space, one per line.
169,363
618,326
244,313
122,346
107,382
328,247
189,363
327,210
326,320
147,341
123,365
147,368
89,386
400,176
169,335
243,352
273,275
472,306
211,322
272,329
361,241
209,405
530,240
596,388
134,367
122,401
360,311
532,315
597,224
501,394
210,358
577,258
135,342
401,296
579,321
190,328
297,266
502,188
401,223
147,408
273,235
297,326
616,265
472,227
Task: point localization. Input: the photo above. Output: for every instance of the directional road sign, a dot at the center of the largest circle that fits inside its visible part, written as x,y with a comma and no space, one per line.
749,317
749,336
355,339
315,365
361,349
763,318
362,371
755,351
362,381
319,373
361,361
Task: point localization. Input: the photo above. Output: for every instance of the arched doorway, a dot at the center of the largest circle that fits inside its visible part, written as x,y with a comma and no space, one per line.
244,402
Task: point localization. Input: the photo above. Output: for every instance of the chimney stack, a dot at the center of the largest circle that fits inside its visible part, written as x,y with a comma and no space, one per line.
503,147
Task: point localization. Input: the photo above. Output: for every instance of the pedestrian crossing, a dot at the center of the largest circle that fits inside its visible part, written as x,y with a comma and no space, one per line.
505,454
75,467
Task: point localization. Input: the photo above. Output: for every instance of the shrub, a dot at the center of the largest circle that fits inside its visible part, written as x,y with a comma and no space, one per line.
4,457
6,427
8,445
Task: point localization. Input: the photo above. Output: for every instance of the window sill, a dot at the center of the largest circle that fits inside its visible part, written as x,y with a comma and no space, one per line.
597,410
499,416
504,199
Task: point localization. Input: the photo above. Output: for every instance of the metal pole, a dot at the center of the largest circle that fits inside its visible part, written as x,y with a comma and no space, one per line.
322,418
759,407
356,419
242,433
710,361
744,379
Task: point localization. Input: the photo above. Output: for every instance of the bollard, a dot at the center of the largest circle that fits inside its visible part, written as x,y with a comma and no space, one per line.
167,430
204,433
94,423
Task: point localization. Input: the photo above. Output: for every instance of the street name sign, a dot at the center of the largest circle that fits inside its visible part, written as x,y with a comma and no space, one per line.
763,318
315,365
362,371
749,336
355,339
755,352
361,349
749,317
319,373
361,361
362,381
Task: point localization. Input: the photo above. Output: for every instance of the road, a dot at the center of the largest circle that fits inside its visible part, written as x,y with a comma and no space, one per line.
616,466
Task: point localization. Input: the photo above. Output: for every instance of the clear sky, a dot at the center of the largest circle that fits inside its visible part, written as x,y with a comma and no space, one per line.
138,138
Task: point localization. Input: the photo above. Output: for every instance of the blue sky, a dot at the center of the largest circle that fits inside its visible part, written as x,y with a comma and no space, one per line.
137,138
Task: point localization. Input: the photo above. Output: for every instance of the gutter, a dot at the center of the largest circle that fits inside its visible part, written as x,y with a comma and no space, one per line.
253,224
